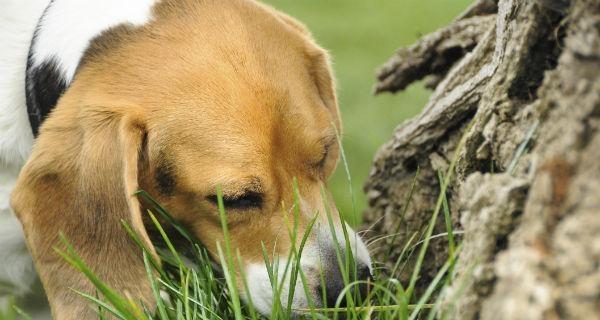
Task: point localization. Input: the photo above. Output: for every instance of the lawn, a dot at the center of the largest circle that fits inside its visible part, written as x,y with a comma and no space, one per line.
361,35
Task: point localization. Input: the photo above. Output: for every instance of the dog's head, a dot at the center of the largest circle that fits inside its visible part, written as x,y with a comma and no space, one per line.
206,95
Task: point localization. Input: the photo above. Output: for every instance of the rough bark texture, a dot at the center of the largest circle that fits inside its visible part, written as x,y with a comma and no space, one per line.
521,81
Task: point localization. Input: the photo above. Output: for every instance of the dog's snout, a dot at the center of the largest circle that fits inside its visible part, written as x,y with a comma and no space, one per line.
335,286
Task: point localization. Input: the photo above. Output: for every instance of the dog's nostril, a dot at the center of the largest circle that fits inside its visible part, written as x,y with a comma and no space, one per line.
364,274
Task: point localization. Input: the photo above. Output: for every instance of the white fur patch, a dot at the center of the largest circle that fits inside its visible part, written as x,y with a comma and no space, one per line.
68,26
18,19
16,266
64,34
312,261
358,247
261,290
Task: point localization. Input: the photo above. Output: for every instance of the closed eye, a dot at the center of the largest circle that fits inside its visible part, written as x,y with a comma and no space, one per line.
324,156
327,145
246,201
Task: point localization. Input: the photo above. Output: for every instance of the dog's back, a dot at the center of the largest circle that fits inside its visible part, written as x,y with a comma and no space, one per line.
18,19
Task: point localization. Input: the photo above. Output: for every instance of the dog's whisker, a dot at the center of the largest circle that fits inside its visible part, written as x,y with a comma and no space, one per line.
375,222
377,239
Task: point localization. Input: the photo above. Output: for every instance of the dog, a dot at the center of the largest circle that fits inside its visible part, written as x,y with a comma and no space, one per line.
177,98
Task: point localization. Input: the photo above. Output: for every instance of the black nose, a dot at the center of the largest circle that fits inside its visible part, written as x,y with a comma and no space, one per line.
335,285
364,274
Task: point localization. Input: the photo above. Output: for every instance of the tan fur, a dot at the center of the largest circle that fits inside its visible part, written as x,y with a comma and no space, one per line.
228,93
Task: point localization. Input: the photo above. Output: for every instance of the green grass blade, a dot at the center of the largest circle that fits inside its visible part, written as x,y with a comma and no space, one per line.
227,260
150,274
447,218
431,287
22,313
123,305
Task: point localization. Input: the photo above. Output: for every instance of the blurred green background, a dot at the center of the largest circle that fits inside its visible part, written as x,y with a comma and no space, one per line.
361,35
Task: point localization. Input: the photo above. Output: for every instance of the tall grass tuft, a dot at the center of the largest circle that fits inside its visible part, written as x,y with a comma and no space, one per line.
193,287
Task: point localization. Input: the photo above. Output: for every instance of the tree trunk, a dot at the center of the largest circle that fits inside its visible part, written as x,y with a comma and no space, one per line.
517,105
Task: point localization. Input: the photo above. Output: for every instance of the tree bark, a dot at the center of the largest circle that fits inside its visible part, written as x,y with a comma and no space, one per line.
519,82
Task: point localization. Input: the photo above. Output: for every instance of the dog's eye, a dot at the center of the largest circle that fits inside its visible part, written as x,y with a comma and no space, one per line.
246,201
327,145
324,155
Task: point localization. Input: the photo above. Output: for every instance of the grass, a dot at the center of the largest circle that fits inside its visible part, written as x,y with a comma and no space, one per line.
197,290
12,311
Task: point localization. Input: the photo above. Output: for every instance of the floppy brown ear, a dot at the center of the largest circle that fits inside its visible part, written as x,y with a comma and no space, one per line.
319,64
321,71
79,181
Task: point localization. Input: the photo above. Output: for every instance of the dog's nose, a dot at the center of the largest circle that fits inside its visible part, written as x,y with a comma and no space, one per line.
363,274
335,286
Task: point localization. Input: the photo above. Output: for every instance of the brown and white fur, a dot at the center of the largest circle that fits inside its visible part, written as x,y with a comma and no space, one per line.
175,98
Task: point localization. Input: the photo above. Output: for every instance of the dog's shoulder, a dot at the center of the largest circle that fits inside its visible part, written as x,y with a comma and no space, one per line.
64,33
46,41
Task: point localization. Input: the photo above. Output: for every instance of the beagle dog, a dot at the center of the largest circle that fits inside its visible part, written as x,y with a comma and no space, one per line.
175,97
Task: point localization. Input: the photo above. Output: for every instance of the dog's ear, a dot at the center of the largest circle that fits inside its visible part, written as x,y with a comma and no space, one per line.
319,65
291,22
80,181
322,74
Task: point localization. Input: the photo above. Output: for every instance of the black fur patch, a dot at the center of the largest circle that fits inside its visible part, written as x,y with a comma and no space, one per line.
44,85
165,178
44,82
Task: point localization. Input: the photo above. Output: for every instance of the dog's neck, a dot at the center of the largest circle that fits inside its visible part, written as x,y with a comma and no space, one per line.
63,34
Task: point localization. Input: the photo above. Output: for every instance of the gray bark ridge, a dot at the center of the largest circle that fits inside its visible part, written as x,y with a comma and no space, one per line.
525,90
